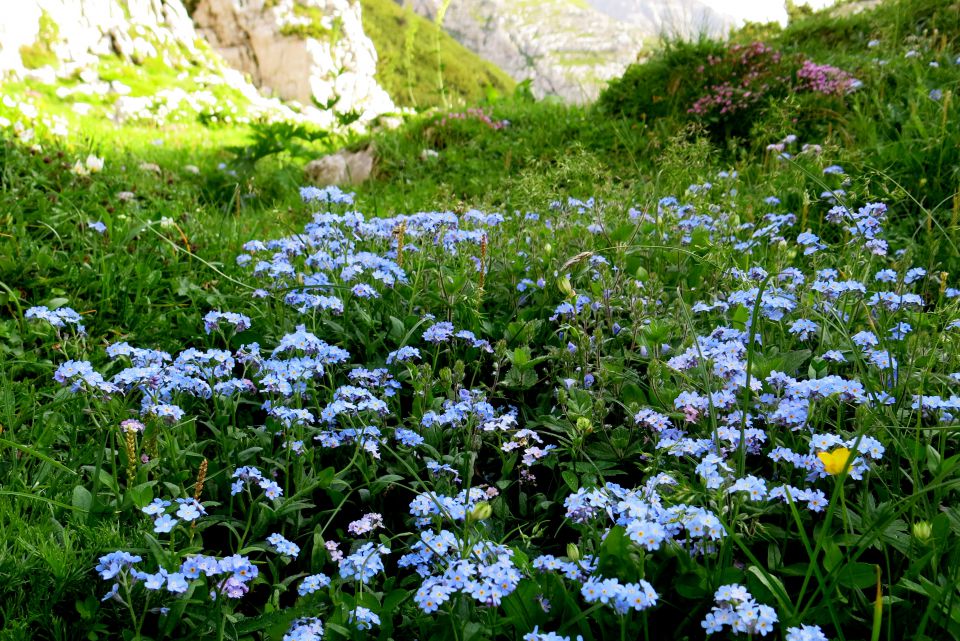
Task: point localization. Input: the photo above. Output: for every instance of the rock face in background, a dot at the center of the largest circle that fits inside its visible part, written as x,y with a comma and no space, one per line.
686,18
301,49
78,31
565,48
570,48
304,50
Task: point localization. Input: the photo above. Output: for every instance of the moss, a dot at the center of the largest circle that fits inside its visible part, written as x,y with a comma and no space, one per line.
409,68
40,53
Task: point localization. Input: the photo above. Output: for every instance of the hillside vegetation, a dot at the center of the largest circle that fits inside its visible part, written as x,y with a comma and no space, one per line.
682,364
421,66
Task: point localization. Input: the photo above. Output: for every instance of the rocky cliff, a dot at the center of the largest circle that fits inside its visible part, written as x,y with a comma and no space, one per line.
304,50
686,18
310,51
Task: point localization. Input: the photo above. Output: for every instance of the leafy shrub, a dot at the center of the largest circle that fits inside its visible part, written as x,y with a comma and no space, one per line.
664,85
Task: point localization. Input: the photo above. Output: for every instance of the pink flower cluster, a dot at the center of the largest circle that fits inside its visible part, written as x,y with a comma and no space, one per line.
727,99
746,74
825,79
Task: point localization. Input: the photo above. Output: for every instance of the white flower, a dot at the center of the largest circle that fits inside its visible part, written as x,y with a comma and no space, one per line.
94,164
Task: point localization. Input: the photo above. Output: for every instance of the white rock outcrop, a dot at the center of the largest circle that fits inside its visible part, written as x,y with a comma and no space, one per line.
304,50
86,29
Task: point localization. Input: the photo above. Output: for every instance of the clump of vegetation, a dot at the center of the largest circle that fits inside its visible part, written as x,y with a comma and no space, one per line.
726,88
666,84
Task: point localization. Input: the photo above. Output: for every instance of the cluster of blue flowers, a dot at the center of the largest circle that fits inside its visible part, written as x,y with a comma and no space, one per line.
283,546
59,318
244,475
213,318
365,563
621,597
229,575
444,331
308,629
647,521
312,584
484,570
188,510
736,608
428,505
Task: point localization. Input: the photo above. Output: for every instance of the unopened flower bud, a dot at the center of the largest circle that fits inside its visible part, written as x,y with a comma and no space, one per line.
481,511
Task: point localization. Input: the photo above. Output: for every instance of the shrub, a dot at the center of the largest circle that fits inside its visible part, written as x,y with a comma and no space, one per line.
727,89
664,85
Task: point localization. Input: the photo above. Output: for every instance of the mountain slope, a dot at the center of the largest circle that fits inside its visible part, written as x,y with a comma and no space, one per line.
407,47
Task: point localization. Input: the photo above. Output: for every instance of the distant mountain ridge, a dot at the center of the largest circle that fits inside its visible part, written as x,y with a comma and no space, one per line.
565,48
570,48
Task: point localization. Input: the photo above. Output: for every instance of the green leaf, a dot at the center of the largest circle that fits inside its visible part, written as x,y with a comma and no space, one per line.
580,403
772,583
691,586
521,606
933,459
142,494
857,575
82,499
614,552
520,356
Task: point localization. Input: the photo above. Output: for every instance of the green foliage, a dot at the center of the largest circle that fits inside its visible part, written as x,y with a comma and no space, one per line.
40,53
407,65
297,143
666,84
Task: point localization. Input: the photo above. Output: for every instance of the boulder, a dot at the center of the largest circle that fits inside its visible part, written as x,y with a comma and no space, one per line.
342,168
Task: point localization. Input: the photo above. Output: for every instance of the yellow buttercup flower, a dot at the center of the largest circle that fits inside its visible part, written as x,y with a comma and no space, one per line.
835,461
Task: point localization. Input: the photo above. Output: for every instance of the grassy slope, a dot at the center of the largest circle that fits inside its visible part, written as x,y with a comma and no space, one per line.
408,60
890,132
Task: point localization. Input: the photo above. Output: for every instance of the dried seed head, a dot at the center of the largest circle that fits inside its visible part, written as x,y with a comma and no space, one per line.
201,478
